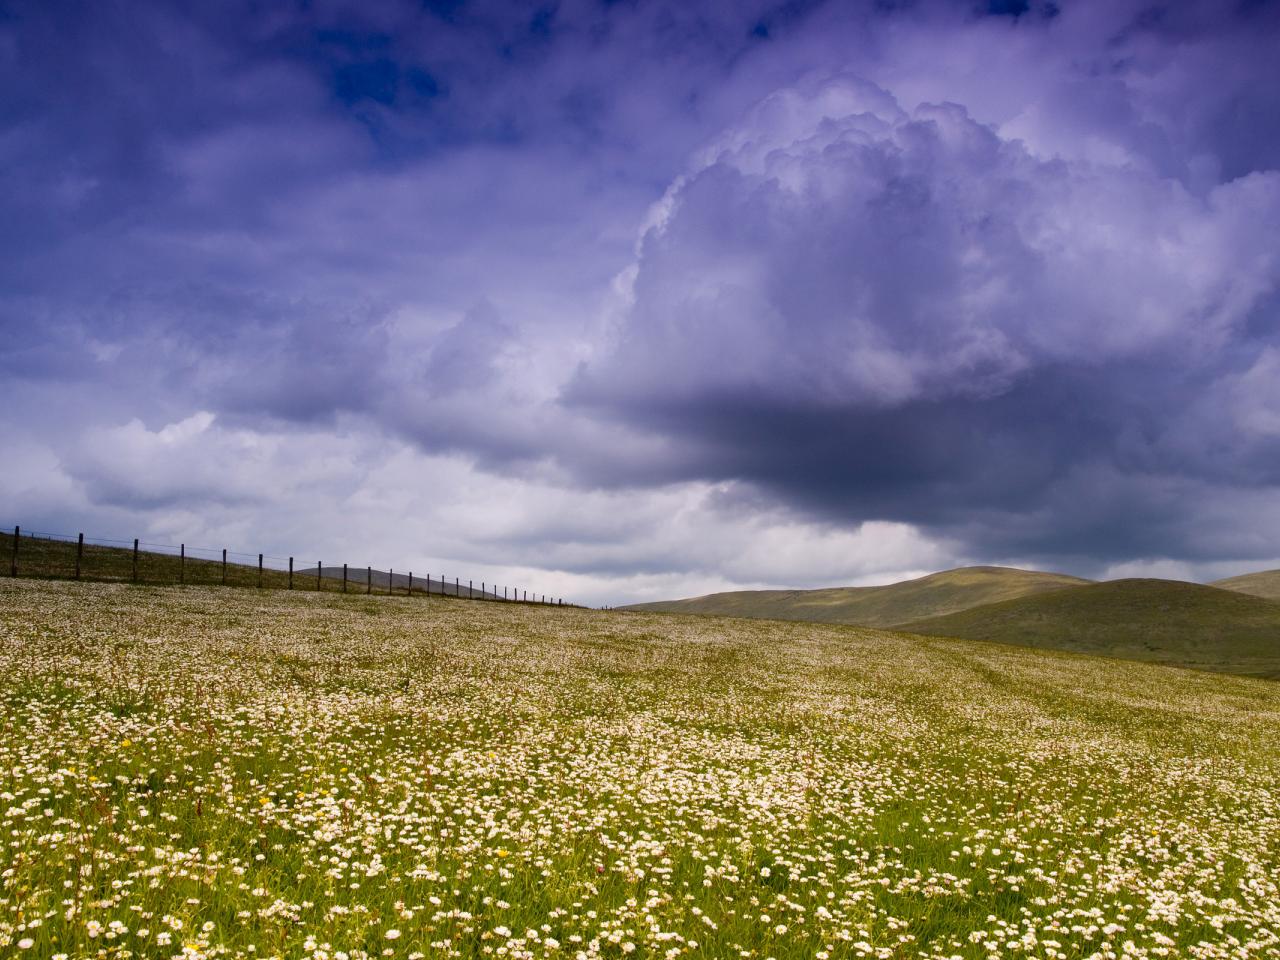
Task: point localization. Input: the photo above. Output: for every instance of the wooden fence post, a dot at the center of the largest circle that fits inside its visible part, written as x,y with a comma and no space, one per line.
411,583
13,564
344,578
224,566
368,580
182,563
471,593
391,579
135,559
319,573
79,554
259,571
457,590
291,573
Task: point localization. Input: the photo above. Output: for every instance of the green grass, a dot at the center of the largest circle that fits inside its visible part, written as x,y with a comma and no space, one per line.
883,606
1166,621
57,558
242,773
1264,583
45,557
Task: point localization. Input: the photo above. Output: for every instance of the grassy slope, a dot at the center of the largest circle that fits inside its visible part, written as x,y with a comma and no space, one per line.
1264,583
1166,621
235,773
883,606
40,557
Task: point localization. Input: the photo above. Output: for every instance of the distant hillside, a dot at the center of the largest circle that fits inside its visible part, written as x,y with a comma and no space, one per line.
1165,621
936,594
1264,583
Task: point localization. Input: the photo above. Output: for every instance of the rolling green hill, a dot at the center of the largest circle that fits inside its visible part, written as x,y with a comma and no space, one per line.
1264,583
1165,621
934,595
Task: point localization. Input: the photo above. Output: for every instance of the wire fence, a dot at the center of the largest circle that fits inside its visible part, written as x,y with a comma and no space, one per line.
37,553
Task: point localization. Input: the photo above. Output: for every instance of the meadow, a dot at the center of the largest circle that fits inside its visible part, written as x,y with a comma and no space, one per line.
221,772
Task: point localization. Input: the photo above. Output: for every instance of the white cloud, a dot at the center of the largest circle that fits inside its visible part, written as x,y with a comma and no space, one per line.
352,496
835,247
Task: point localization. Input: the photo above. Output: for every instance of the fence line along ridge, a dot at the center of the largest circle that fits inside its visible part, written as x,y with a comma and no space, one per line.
66,556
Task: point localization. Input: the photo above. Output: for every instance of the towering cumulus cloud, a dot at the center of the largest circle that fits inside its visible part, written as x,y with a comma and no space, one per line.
900,313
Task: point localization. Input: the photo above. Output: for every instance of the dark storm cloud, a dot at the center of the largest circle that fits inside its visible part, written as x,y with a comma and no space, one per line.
1005,272
904,315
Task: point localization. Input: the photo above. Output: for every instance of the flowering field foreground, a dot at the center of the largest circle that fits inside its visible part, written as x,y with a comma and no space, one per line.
217,772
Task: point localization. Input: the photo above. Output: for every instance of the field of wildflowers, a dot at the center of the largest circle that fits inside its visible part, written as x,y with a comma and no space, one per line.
206,772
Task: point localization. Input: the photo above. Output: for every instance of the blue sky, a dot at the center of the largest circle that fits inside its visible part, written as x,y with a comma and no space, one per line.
633,300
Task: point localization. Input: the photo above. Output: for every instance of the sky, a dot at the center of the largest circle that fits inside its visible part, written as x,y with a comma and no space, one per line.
634,300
